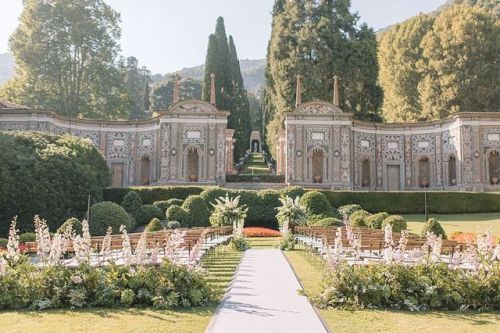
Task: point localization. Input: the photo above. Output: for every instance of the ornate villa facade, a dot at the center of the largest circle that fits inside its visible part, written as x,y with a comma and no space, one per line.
321,147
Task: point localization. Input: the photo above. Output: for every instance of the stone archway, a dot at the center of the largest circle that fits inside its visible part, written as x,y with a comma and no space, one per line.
192,164
318,158
365,173
255,142
424,172
452,171
145,170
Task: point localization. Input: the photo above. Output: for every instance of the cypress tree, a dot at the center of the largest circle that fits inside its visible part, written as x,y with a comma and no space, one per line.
212,66
146,98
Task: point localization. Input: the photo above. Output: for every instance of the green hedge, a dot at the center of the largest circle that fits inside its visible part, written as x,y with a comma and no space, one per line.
150,194
49,175
413,202
255,179
263,204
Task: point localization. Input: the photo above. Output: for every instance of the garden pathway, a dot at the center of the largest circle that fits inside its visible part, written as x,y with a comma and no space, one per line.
264,298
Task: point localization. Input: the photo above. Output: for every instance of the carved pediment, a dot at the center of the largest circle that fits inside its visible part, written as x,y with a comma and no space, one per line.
318,107
193,107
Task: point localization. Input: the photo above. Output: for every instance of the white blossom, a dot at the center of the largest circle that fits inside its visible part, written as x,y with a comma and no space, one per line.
128,258
13,242
106,245
141,251
43,242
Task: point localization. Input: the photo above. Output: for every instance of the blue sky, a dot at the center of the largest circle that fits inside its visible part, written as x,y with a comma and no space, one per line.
166,35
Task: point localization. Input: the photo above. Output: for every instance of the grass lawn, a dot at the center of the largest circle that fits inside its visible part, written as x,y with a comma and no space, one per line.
255,165
262,242
458,222
220,266
309,270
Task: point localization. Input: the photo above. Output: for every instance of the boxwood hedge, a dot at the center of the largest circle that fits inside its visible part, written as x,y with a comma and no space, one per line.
263,203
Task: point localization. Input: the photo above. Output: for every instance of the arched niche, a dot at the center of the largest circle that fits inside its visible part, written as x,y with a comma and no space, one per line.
424,172
145,170
365,173
192,164
452,171
318,161
494,167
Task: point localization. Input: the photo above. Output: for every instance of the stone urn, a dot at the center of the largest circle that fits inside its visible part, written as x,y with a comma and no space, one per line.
193,178
494,180
365,182
317,179
424,182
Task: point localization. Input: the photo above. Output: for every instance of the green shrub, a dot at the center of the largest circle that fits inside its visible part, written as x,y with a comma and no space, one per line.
287,242
398,223
255,178
107,214
132,203
326,222
154,225
151,194
433,225
3,241
75,223
27,237
375,221
47,174
147,213
421,287
359,218
197,210
291,192
176,213
239,243
173,225
163,286
165,204
347,210
316,203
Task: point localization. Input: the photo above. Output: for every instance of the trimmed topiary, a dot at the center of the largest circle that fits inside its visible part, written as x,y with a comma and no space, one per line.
347,210
291,192
176,213
433,225
359,218
107,214
375,221
327,222
398,223
132,202
316,203
154,225
27,237
147,213
75,223
197,210
173,225
163,205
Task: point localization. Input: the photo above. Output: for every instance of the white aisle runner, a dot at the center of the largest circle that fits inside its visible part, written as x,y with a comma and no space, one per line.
263,298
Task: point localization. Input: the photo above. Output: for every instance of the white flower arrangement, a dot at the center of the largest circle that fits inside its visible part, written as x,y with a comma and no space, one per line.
227,211
13,242
291,213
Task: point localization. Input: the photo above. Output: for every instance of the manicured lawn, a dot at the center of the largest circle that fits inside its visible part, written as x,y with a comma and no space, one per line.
262,242
309,270
220,267
458,222
255,165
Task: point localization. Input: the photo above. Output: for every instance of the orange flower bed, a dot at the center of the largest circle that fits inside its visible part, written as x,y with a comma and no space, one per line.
260,232
466,237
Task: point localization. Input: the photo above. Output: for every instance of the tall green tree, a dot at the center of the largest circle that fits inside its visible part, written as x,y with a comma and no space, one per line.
137,85
222,60
320,39
67,59
461,54
399,53
162,95
433,68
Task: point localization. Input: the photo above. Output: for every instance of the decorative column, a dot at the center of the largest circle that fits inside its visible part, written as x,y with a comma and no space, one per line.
336,90
212,89
298,92
229,150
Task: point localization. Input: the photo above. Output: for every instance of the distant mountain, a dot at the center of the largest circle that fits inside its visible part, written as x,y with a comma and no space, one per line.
252,71
6,67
